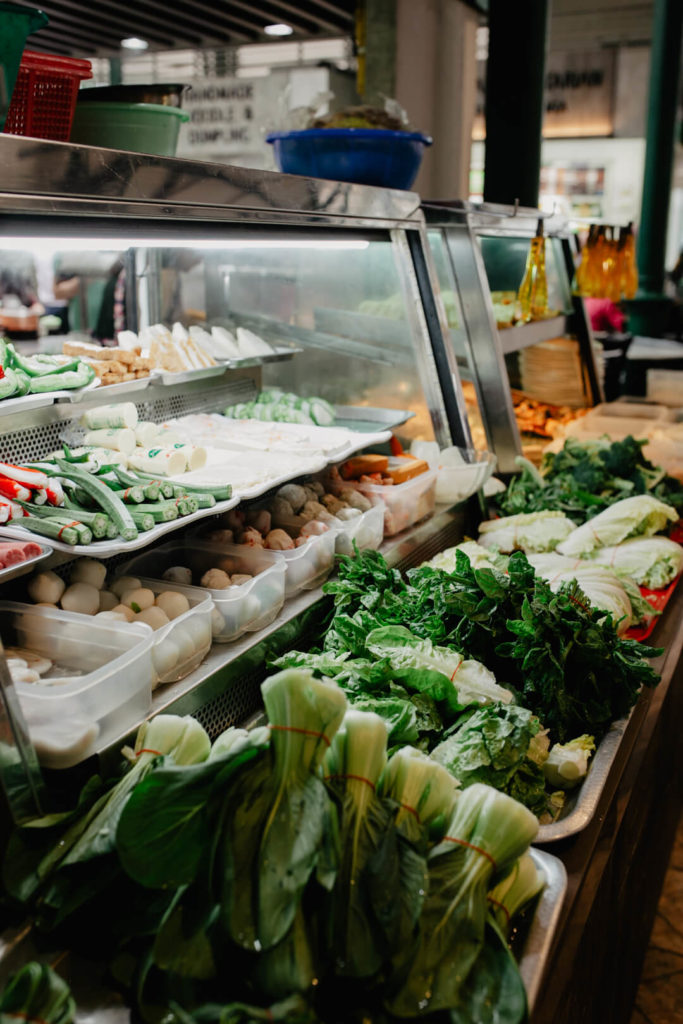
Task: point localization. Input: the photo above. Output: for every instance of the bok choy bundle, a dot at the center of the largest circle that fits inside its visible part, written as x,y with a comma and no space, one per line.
487,832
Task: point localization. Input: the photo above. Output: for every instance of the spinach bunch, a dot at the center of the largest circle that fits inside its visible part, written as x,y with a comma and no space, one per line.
586,477
564,659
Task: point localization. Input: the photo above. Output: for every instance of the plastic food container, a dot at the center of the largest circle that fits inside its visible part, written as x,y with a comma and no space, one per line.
368,156
16,23
404,504
108,694
44,97
462,472
183,643
237,610
367,530
140,127
309,565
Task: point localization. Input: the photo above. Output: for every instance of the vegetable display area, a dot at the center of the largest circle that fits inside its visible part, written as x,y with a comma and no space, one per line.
341,880
360,857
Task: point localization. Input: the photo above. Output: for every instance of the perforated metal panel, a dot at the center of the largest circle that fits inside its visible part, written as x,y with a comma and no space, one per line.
32,443
196,401
233,707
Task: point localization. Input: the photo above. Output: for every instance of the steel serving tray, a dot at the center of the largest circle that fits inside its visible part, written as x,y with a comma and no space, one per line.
167,378
368,419
581,805
534,956
21,568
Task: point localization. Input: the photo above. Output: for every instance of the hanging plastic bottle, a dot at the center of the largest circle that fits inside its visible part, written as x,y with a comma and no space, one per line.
532,297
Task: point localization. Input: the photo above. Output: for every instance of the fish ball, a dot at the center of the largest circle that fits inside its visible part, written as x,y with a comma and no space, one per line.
172,603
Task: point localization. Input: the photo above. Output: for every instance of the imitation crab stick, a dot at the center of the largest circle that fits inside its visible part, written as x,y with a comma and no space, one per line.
32,478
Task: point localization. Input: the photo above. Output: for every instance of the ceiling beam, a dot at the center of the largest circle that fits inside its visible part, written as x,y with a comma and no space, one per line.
272,10
72,28
182,13
112,20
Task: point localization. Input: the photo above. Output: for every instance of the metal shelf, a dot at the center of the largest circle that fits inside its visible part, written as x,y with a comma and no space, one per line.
512,339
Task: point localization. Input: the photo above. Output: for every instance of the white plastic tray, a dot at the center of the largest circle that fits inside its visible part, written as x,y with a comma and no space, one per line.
117,546
22,402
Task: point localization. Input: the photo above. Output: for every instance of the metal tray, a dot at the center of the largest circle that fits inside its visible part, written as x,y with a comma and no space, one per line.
97,1003
167,378
278,356
536,948
367,419
21,568
581,807
122,388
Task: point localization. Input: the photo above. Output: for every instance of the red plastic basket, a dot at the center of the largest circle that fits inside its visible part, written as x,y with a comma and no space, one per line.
44,97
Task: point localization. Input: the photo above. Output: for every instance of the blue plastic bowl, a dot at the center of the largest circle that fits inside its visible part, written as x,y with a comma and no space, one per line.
367,156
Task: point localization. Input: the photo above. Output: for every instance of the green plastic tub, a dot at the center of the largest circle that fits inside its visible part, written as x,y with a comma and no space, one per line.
140,127
16,23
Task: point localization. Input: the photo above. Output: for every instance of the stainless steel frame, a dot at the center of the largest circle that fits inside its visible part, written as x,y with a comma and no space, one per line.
485,347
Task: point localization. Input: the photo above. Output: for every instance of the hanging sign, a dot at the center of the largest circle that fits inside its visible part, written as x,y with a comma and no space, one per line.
578,97
225,118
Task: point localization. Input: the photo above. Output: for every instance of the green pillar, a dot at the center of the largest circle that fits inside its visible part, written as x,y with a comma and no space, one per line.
648,311
515,75
115,71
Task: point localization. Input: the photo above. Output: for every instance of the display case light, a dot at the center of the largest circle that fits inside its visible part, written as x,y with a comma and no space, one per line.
25,243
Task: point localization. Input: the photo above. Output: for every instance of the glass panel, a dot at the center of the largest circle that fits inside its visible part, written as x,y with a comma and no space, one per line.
339,301
336,296
505,261
456,323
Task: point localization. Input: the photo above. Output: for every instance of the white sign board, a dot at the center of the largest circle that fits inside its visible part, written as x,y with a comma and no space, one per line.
225,118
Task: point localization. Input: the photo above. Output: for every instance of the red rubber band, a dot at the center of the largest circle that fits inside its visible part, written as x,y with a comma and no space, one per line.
457,670
23,1016
66,527
411,810
470,846
356,778
148,750
501,906
303,732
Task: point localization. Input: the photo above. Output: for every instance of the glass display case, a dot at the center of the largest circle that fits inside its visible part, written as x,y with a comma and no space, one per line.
337,280
521,381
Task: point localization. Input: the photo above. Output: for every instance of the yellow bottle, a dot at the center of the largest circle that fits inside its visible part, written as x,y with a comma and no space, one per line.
532,297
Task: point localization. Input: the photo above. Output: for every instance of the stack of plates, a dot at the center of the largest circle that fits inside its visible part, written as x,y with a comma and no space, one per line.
553,372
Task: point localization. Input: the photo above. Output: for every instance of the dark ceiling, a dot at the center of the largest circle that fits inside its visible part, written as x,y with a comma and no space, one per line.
89,29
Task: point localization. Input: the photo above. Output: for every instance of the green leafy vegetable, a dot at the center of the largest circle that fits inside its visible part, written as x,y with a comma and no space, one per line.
586,477
493,746
37,993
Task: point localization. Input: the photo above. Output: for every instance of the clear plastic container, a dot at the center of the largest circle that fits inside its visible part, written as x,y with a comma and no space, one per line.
107,673
183,643
367,530
237,610
309,565
404,504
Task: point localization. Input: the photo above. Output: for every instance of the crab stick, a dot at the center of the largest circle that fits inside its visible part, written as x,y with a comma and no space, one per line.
32,478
